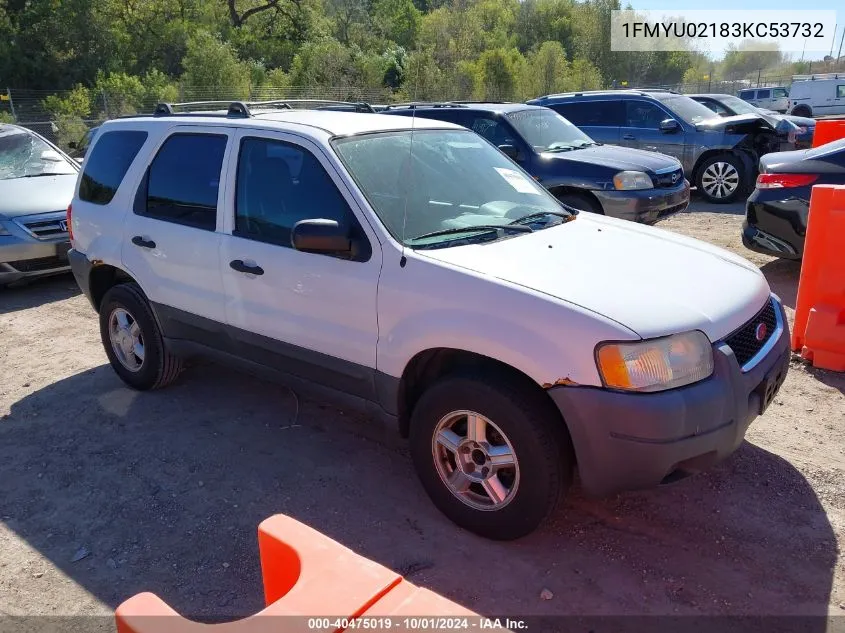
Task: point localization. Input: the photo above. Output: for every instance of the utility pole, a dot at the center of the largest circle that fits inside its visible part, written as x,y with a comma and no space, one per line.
839,54
833,39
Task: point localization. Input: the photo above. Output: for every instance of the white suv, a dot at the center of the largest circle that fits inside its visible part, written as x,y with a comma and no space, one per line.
410,267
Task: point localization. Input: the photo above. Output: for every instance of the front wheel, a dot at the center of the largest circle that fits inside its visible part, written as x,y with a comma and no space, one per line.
494,457
582,202
720,179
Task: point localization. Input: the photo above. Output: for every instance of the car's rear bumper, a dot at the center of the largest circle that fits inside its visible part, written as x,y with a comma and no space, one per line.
646,205
776,226
81,268
626,441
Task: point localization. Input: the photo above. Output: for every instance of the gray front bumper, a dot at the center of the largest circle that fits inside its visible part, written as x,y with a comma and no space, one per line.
645,205
24,255
626,441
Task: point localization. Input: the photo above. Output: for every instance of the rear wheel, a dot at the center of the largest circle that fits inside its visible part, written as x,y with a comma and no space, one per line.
720,179
582,202
802,110
492,455
132,339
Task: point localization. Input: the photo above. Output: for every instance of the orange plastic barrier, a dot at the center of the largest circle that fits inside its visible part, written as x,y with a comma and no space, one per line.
309,575
828,130
819,332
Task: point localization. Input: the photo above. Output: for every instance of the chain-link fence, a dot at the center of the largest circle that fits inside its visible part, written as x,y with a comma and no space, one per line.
28,108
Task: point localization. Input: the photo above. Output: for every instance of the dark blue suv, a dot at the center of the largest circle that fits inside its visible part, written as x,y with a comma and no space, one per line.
616,181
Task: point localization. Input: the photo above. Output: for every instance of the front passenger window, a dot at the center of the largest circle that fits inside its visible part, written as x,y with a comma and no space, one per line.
279,184
644,115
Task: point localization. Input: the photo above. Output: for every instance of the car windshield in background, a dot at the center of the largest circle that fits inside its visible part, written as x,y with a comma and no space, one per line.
24,155
688,109
738,105
546,130
449,188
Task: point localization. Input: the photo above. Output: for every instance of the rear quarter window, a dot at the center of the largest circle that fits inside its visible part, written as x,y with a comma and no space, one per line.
591,113
746,94
108,163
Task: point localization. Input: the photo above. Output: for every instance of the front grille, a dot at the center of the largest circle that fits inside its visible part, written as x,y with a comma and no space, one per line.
47,229
666,180
40,263
744,341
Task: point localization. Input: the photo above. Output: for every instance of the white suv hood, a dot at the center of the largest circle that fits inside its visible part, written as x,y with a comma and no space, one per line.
650,280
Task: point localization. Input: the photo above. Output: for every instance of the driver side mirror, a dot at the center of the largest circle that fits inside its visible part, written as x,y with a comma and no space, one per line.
510,151
669,126
320,236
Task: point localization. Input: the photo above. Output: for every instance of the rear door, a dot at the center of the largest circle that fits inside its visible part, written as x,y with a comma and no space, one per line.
642,129
171,244
600,120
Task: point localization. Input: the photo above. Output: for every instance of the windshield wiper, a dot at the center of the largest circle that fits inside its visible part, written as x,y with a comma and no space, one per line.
39,175
477,227
542,214
559,148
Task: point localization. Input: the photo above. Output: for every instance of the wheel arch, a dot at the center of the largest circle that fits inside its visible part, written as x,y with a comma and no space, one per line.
102,278
561,190
428,366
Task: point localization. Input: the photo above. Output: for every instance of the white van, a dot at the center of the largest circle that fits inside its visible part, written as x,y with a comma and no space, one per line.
770,98
817,95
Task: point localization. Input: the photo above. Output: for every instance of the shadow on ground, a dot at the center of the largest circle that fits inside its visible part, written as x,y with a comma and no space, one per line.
165,489
37,292
783,275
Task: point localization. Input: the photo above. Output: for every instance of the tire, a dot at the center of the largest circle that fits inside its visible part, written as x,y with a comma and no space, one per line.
802,110
156,367
582,202
522,423
721,179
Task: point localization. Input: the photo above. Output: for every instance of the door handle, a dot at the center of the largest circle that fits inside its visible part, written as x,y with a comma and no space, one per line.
241,267
140,241
629,137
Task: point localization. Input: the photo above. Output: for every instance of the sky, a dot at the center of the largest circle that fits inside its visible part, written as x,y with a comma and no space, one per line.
767,5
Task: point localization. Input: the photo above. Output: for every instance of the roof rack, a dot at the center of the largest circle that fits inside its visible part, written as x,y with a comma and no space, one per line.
244,109
411,105
818,76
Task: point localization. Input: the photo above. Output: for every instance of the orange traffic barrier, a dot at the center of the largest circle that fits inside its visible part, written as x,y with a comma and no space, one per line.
307,574
819,331
828,130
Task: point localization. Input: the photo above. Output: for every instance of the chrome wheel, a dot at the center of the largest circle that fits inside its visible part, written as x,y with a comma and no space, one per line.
720,179
126,339
475,460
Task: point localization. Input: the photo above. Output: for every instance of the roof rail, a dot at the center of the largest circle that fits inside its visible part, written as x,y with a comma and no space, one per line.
245,108
818,76
427,104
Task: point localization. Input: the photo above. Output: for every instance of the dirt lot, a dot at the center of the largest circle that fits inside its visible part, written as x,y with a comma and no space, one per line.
163,491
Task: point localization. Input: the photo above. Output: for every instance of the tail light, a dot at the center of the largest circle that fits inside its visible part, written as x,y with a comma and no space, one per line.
785,181
70,221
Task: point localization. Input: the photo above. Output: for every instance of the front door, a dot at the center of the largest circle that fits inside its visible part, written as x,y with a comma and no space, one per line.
307,314
642,129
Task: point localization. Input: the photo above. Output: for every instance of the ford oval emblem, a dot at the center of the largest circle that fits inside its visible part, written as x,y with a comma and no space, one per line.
760,331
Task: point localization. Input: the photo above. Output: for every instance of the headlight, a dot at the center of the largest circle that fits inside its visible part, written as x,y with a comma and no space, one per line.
627,180
656,364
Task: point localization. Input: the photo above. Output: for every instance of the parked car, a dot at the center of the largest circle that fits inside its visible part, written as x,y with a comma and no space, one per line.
776,213
719,155
79,148
410,268
36,185
817,95
769,98
617,181
728,105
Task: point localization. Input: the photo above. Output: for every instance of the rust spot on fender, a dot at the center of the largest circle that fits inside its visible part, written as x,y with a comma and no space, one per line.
560,382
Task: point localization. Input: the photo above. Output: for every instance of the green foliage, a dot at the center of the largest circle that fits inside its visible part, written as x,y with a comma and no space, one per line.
545,71
213,70
69,129
6,117
76,103
496,74
398,20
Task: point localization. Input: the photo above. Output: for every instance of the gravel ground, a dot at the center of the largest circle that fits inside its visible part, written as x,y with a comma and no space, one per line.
106,492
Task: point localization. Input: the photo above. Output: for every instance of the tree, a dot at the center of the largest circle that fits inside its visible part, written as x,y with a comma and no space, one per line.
496,74
545,71
213,70
397,20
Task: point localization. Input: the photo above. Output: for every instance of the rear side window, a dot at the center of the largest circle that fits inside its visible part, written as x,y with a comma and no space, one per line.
108,164
840,92
746,94
184,179
764,94
591,113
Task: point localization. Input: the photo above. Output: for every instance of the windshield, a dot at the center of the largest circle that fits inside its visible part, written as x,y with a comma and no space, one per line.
25,155
545,129
688,109
451,181
738,105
